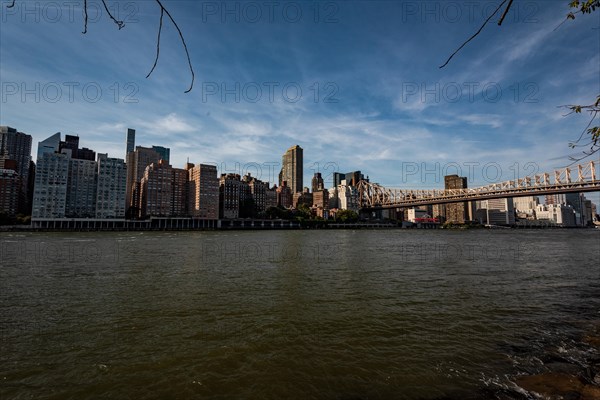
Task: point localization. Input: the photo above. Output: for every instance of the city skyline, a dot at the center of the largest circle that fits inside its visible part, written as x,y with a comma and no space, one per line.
378,108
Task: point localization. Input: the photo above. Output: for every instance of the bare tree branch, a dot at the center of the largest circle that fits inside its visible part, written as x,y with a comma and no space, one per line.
475,35
85,16
119,23
162,13
505,12
163,9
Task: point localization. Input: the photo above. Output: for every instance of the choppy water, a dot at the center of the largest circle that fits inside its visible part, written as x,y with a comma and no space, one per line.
322,314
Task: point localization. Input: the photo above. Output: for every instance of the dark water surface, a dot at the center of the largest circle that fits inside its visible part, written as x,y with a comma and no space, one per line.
323,314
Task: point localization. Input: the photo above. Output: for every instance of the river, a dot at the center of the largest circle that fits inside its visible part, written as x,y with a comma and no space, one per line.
300,314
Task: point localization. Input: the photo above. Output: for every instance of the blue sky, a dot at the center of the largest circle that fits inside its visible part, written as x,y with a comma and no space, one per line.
372,96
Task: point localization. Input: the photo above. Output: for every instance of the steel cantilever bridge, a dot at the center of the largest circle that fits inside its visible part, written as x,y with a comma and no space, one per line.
580,178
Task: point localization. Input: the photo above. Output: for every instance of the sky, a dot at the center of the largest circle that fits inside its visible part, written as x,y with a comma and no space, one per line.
356,84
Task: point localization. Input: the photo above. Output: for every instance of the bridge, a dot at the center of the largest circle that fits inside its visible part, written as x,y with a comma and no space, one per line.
580,178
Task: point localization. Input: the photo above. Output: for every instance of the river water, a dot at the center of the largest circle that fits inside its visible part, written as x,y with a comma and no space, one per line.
311,314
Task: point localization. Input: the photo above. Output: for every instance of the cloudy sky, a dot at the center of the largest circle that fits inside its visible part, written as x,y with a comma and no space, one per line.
357,84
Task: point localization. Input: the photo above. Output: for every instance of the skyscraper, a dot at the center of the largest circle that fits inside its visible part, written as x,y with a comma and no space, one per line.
456,212
292,170
130,141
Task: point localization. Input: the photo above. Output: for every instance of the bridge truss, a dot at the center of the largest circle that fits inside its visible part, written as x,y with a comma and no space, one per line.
580,178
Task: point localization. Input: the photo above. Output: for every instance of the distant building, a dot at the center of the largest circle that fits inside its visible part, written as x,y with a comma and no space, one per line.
347,197
258,193
495,212
71,143
555,199
317,182
157,190
230,188
352,178
10,191
439,212
337,178
284,196
558,214
179,201
164,152
414,214
270,197
525,206
203,191
321,202
51,180
334,201
82,186
588,213
110,194
577,202
15,147
130,141
304,198
292,169
457,213
137,161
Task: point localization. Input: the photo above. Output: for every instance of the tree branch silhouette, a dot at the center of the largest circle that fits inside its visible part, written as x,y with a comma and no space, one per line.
163,10
481,29
120,24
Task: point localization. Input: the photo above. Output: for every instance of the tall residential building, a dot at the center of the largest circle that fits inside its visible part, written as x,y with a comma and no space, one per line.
317,182
179,201
16,146
270,197
258,193
164,152
321,202
137,161
284,196
456,212
10,191
110,197
156,190
51,179
347,196
292,169
203,191
230,193
82,186
130,141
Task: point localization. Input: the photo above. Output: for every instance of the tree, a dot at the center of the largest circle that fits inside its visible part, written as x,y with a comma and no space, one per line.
346,216
579,6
